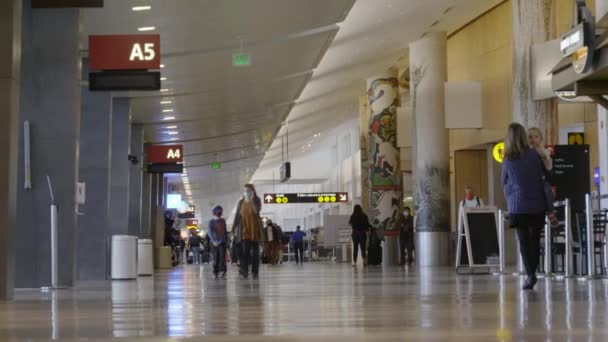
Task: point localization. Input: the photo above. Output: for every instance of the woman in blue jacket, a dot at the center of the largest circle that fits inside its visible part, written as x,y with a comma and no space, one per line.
522,180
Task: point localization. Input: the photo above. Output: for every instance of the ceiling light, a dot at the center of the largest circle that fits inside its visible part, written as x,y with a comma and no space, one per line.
141,8
167,110
168,118
309,145
171,127
146,28
162,66
166,102
164,90
173,139
163,78
172,133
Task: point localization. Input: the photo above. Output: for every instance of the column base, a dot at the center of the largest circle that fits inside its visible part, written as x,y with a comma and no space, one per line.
432,249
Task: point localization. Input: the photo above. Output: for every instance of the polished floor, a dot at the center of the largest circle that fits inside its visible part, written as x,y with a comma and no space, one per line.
319,302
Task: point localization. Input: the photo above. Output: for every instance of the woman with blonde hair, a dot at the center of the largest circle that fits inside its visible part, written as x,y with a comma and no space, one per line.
535,140
523,184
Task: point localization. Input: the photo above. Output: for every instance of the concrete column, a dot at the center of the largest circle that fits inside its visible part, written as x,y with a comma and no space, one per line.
146,206
50,101
383,160
533,22
10,48
136,181
120,164
601,8
428,74
95,139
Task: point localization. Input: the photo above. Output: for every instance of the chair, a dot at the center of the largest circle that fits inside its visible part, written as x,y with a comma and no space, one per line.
599,228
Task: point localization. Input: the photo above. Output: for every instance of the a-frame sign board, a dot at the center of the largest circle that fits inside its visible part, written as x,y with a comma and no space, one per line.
478,246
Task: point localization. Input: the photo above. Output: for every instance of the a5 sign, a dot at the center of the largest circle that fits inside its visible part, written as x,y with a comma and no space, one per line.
124,52
165,154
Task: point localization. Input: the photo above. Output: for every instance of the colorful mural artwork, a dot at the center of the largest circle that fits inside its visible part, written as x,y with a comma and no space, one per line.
382,152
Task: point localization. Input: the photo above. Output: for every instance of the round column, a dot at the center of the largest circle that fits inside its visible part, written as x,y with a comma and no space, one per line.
383,160
431,163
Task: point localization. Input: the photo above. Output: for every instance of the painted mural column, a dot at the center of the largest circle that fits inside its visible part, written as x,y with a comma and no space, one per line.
431,162
383,160
533,22
363,138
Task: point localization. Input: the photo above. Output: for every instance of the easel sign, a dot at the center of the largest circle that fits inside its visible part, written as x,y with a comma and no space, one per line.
478,245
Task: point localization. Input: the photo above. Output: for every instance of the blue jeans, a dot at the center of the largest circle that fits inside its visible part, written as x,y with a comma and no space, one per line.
219,258
196,254
250,255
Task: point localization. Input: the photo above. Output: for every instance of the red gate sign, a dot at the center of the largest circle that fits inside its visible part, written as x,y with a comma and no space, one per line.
165,154
124,52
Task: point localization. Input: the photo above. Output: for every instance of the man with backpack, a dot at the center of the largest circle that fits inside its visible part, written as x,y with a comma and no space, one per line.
195,247
470,200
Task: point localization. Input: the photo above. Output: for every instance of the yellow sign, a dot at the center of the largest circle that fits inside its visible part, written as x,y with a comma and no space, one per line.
499,151
576,138
320,199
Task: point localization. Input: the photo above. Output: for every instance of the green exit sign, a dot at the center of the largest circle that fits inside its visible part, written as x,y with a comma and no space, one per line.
216,165
241,59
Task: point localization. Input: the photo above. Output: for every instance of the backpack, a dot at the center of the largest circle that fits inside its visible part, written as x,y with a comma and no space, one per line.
476,199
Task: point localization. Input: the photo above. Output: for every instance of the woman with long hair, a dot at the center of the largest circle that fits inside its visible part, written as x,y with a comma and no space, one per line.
523,185
360,225
248,229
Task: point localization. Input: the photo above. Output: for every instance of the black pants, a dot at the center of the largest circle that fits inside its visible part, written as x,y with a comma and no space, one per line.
299,250
250,255
529,227
219,258
406,243
359,240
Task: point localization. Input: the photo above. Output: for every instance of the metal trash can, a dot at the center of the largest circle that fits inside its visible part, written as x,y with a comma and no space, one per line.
164,257
145,258
124,257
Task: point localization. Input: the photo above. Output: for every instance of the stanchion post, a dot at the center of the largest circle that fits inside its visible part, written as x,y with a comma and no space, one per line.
548,254
568,238
590,238
54,268
501,239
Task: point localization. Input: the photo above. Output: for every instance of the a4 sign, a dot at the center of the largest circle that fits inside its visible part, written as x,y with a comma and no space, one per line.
312,197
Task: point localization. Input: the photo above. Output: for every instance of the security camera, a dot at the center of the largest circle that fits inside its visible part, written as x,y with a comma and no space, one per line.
133,159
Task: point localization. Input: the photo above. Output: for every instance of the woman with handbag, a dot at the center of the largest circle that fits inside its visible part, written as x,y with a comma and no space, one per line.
248,229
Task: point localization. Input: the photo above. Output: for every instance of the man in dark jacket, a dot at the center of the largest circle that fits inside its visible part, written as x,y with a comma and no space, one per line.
405,225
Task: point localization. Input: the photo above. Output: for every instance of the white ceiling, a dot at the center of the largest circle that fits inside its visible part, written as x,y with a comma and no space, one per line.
233,115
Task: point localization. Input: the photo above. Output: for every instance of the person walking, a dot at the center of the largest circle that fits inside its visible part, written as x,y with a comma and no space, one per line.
217,236
405,226
195,247
470,199
298,243
360,226
248,227
535,140
523,186
270,242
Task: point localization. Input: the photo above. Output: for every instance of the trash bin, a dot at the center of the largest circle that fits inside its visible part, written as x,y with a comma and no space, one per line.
164,257
145,261
124,257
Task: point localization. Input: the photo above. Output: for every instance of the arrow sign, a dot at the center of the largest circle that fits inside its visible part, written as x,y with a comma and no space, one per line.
343,198
269,198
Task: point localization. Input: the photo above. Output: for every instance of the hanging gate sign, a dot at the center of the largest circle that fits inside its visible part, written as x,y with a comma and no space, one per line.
478,245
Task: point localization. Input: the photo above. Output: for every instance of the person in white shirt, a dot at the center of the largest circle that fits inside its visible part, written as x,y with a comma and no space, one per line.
470,200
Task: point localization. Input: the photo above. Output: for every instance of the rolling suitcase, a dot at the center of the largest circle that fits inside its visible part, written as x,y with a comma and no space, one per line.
374,252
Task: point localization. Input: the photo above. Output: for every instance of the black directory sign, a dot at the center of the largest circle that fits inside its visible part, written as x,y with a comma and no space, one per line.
66,3
311,197
571,174
478,244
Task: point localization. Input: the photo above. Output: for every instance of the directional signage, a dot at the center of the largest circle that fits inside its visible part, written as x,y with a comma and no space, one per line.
165,154
124,52
313,197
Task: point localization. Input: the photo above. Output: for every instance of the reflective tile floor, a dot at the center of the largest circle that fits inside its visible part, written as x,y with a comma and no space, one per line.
322,302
